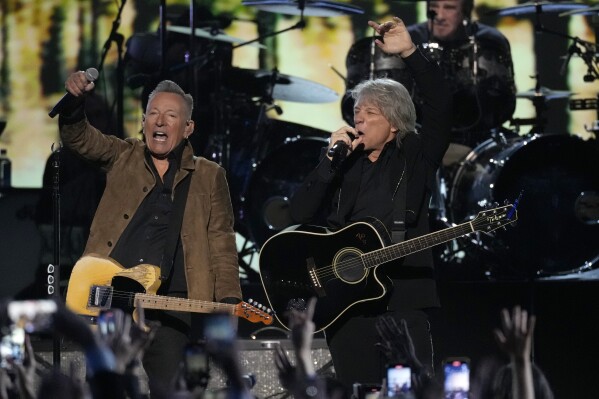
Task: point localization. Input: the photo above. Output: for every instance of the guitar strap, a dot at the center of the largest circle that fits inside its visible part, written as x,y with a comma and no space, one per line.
398,232
173,232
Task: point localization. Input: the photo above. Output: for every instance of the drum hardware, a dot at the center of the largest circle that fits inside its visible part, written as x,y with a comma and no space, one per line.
256,82
302,8
590,11
544,93
308,8
537,7
211,34
539,96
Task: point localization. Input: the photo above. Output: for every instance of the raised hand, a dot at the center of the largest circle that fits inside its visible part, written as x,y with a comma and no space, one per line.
302,329
515,338
515,334
126,339
396,38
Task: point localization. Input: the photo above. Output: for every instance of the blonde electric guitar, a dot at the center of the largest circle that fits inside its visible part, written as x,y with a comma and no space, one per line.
98,283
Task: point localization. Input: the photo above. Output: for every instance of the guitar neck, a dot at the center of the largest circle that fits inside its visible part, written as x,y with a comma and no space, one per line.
396,251
159,302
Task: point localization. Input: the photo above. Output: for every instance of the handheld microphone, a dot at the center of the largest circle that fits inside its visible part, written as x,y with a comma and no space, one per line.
339,152
91,74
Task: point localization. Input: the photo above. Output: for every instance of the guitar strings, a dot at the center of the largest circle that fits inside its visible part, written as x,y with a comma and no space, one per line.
375,260
162,299
194,304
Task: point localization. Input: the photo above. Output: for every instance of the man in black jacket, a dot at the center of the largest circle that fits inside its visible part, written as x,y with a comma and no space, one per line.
388,174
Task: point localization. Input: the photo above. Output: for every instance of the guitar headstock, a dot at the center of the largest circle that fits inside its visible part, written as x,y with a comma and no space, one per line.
253,312
493,219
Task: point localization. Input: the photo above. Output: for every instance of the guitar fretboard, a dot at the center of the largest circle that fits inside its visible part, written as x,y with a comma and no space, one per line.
396,251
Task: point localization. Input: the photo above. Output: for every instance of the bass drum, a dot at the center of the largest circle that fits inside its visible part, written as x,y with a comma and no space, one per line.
273,182
557,229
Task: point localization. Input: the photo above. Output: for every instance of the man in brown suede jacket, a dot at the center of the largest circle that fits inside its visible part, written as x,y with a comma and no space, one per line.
131,224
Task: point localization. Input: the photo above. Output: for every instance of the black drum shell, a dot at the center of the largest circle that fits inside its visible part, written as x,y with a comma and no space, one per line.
552,172
273,182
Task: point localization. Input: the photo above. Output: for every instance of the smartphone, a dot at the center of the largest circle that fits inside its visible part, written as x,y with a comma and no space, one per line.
32,315
12,347
195,362
366,391
457,378
399,380
106,322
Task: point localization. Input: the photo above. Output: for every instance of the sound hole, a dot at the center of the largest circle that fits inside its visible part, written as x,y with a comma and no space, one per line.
349,267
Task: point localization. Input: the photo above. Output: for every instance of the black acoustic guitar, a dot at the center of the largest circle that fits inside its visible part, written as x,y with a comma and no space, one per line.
340,268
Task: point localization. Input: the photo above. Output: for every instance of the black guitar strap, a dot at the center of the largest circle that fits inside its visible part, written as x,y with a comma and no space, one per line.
173,232
398,232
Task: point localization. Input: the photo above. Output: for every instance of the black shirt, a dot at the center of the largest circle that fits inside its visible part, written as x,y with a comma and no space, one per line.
375,196
144,239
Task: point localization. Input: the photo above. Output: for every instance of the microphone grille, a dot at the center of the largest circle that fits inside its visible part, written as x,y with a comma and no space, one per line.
91,74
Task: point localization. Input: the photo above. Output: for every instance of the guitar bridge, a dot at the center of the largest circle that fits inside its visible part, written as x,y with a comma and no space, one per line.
100,296
314,278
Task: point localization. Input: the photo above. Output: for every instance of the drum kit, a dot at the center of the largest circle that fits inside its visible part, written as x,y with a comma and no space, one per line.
558,228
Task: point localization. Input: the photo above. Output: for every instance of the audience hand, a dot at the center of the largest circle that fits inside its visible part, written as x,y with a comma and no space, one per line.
126,339
515,338
515,335
302,330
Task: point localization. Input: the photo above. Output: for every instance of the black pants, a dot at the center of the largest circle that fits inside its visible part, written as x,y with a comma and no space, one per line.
162,360
352,344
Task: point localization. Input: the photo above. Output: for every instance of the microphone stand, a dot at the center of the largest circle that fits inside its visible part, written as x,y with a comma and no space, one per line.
54,272
120,79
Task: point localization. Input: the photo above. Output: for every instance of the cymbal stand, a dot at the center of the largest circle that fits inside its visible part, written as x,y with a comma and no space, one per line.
301,24
587,51
118,38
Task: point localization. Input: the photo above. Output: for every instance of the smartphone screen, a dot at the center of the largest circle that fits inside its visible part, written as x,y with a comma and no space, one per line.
399,380
457,378
12,347
32,315
106,322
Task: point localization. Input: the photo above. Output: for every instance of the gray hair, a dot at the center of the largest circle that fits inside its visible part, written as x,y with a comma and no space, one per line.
392,99
168,86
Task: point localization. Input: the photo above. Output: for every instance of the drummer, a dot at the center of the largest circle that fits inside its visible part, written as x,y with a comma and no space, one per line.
484,96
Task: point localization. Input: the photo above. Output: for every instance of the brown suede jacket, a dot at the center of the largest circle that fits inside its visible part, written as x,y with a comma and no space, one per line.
207,234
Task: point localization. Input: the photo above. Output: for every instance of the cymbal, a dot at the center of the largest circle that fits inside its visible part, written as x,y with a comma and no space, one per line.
584,11
256,82
206,33
312,8
545,93
537,7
